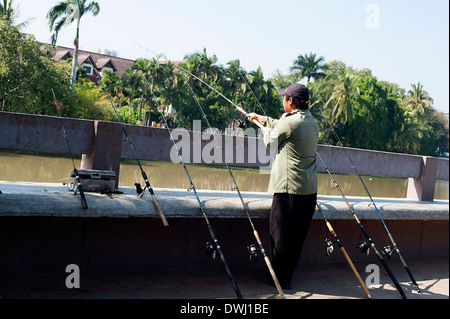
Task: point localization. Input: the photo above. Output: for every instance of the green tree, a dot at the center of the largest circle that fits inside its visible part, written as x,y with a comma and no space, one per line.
418,100
144,69
10,14
65,13
132,86
91,102
343,95
159,79
28,73
407,136
281,81
308,66
266,94
204,67
234,82
115,86
435,141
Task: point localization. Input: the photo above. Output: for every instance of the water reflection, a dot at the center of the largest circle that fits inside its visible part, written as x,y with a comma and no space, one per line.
21,166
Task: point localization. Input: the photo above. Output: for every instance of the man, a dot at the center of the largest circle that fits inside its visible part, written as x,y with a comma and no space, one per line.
293,179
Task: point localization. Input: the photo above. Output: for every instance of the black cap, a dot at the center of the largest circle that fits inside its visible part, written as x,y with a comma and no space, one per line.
298,91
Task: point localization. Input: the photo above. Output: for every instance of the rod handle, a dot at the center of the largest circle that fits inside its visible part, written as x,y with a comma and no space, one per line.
269,265
83,197
352,266
158,208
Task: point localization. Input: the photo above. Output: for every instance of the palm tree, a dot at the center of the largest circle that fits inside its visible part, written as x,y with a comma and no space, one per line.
132,81
114,85
407,136
150,74
65,13
203,66
234,82
309,66
10,14
344,92
260,88
418,100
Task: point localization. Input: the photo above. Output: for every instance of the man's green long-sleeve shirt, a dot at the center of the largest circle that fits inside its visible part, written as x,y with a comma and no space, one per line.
294,170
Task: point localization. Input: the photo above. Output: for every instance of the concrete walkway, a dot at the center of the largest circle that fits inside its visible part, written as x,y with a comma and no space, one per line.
325,281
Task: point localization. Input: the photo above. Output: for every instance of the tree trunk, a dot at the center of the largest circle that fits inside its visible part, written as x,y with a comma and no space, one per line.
75,55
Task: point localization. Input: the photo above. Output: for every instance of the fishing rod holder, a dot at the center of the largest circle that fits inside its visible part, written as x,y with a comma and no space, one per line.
364,248
209,250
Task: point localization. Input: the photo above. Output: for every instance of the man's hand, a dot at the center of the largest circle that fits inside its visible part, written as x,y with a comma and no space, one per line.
253,117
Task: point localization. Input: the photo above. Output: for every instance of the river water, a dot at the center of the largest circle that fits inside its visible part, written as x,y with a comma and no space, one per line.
50,168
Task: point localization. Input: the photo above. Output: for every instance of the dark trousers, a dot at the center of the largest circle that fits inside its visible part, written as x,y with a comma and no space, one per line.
290,219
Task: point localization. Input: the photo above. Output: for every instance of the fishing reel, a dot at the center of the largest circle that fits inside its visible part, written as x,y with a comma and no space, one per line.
139,190
239,124
387,251
209,250
329,247
254,252
363,247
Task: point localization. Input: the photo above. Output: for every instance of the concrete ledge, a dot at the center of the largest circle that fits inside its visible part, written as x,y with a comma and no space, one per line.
55,200
43,229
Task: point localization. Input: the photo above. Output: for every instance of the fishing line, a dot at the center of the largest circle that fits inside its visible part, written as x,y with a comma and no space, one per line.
253,93
363,246
144,175
209,249
363,229
387,250
379,255
252,249
328,243
344,252
78,186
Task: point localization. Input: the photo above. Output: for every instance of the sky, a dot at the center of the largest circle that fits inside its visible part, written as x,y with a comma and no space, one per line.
401,41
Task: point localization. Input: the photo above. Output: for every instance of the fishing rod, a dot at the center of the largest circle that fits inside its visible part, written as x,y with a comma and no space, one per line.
252,249
196,77
144,175
255,232
387,250
326,221
344,252
208,248
78,186
330,227
363,246
380,256
253,93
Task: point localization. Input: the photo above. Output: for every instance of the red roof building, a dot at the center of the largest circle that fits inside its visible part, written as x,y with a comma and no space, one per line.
101,61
